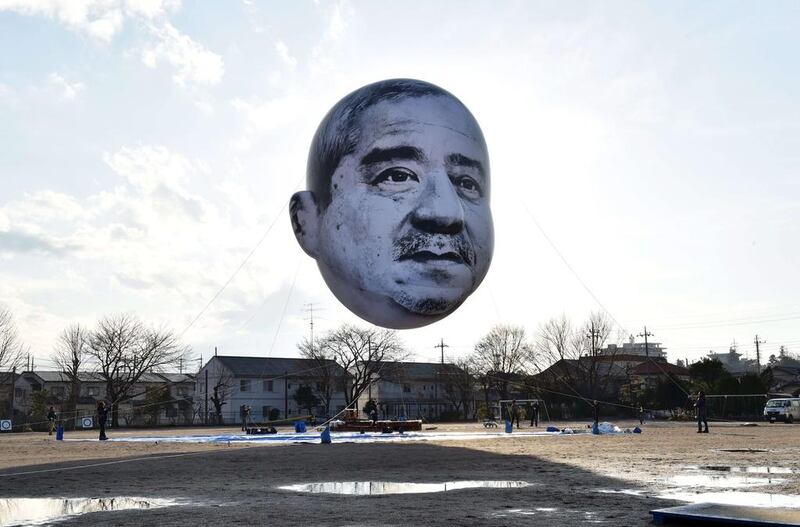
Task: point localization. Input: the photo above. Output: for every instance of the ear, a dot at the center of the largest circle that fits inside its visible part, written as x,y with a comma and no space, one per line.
304,214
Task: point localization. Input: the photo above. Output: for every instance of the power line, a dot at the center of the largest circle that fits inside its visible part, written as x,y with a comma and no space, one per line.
239,268
574,273
729,323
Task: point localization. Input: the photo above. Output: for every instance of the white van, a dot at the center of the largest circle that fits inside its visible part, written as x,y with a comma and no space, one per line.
782,410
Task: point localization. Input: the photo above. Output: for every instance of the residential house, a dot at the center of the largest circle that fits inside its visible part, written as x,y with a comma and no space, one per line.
417,390
268,385
786,379
649,374
136,409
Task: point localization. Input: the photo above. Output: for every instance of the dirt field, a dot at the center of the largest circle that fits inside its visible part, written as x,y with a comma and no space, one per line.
610,480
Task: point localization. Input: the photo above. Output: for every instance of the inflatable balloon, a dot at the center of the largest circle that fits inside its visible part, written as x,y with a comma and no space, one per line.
396,211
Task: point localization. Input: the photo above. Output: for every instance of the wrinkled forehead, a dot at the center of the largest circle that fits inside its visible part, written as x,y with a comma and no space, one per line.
434,117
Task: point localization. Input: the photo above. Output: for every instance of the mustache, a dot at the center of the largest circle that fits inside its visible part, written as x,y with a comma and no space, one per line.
456,246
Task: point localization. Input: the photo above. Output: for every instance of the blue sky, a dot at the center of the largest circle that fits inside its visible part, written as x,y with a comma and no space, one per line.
148,145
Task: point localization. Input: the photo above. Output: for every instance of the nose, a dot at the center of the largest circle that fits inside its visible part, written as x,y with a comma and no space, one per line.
439,210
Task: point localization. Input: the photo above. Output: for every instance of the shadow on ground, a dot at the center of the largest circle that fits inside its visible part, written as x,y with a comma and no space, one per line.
238,487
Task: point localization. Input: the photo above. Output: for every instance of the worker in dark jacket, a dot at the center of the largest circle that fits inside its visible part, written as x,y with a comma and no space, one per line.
702,414
102,415
51,418
535,413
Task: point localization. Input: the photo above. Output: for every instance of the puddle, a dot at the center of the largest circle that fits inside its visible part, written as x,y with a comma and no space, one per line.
372,488
40,511
722,481
545,511
750,470
748,499
630,492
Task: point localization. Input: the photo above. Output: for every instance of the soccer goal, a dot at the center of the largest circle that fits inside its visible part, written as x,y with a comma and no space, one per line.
499,411
735,407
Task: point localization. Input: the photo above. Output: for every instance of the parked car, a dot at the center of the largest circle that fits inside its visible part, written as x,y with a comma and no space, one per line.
786,410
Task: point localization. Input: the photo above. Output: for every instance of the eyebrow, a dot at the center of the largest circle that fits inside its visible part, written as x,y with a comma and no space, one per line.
462,160
380,155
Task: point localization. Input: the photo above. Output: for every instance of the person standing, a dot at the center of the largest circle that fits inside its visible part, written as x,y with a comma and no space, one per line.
51,417
702,414
535,414
596,410
641,415
513,413
102,415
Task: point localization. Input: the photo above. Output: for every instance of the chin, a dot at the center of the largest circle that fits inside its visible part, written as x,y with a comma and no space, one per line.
399,307
434,301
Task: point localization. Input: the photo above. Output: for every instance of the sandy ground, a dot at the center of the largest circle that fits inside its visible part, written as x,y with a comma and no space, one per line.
236,484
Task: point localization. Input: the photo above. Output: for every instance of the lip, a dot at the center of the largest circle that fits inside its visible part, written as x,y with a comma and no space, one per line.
434,258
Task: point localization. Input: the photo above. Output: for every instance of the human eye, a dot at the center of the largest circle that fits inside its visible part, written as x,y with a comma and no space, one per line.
395,178
468,186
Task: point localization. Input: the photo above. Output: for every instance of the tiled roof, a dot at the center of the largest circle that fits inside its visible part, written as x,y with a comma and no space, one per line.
176,378
86,376
271,366
660,368
417,370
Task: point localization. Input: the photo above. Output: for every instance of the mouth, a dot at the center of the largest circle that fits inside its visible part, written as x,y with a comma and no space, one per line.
432,257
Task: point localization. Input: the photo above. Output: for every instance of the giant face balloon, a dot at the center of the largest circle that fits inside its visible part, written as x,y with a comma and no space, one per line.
397,208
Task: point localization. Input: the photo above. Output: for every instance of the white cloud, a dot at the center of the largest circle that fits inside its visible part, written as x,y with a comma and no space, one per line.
67,90
150,167
151,8
8,96
283,53
193,62
205,107
100,19
336,21
269,115
103,19
97,18
147,238
264,116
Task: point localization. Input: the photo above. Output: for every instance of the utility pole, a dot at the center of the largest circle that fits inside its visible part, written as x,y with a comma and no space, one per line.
645,335
205,413
758,353
310,310
180,365
442,346
285,394
13,388
369,381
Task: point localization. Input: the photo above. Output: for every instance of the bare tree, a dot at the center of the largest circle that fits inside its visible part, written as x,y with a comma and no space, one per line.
361,353
552,342
327,372
594,367
70,355
500,355
582,360
123,349
459,385
220,392
11,348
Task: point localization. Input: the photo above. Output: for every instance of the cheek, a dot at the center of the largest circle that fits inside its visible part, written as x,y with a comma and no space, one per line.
480,227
